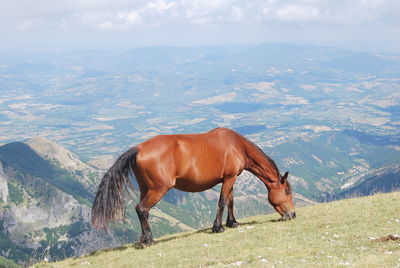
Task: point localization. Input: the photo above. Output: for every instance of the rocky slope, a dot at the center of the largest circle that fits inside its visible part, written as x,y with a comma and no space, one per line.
384,179
65,159
40,215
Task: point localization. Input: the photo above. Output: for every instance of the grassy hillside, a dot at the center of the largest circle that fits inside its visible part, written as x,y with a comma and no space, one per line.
333,234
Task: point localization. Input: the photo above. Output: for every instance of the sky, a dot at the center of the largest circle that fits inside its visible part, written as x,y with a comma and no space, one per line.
119,24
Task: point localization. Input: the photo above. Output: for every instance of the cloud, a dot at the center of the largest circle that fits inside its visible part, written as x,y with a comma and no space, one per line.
126,14
297,13
255,21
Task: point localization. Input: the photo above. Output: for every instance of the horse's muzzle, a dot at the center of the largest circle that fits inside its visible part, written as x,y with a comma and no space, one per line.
289,216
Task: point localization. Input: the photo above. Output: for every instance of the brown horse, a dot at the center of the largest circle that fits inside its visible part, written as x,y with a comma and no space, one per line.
191,163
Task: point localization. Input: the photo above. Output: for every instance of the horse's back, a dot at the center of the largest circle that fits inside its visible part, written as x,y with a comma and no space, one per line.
218,139
192,162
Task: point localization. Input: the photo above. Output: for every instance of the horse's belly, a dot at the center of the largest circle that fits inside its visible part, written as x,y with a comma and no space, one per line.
190,185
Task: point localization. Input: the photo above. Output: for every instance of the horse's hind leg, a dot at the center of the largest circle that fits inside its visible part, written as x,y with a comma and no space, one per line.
223,198
230,220
148,200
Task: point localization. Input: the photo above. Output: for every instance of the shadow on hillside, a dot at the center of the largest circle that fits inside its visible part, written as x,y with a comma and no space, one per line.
204,231
209,230
138,245
100,251
261,222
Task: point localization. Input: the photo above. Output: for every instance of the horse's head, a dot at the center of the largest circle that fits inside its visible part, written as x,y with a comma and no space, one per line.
280,197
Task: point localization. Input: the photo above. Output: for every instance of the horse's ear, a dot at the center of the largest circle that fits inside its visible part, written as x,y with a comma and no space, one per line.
284,177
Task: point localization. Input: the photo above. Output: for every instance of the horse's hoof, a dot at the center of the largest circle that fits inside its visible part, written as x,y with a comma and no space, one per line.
218,229
147,242
232,224
138,245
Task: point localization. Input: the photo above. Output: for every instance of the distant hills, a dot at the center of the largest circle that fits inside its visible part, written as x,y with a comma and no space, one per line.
101,101
322,113
380,180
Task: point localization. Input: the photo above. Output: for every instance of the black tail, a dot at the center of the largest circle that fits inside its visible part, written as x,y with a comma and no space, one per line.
108,204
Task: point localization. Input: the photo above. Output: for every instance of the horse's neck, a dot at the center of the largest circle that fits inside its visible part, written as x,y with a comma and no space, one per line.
259,164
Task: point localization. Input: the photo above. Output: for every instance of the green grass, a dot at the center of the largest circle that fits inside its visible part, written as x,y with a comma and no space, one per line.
16,195
5,263
336,234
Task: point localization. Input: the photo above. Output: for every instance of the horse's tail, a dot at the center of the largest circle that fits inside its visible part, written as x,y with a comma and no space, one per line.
108,204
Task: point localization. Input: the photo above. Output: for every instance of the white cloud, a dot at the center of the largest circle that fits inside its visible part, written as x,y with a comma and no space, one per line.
161,5
297,13
126,13
256,19
131,17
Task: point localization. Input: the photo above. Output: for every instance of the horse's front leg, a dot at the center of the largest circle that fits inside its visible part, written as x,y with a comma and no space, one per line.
217,227
223,198
230,220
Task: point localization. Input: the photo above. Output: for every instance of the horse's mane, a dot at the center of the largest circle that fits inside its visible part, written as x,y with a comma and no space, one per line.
288,189
272,162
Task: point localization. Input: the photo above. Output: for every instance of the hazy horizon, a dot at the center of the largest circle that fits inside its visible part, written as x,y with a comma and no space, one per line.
366,25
